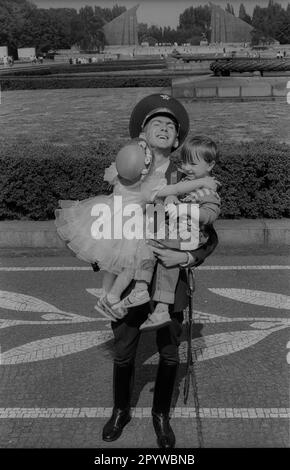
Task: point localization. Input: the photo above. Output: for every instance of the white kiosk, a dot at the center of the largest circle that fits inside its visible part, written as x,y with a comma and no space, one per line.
26,53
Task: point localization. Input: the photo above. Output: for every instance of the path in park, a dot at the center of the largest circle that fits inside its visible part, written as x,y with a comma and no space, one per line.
56,358
79,116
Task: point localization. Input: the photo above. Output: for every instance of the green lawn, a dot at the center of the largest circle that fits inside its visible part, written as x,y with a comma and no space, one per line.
88,115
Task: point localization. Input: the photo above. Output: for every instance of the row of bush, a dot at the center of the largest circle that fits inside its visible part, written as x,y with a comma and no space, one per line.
45,83
33,177
84,68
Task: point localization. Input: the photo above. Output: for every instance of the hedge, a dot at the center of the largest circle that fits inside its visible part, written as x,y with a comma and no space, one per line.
255,180
56,69
45,83
33,177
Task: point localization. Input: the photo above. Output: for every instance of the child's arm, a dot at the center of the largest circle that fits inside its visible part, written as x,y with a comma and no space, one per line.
209,206
184,187
111,174
209,212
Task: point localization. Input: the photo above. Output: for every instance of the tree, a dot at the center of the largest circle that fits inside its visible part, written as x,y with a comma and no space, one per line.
50,29
195,22
272,21
230,9
203,19
92,36
142,32
108,14
283,32
156,32
117,11
243,15
22,24
14,14
258,38
187,18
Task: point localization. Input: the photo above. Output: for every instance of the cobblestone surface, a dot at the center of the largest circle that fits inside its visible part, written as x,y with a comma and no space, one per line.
60,394
89,115
222,413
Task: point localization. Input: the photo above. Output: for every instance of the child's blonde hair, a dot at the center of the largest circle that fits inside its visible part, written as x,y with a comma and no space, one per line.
197,148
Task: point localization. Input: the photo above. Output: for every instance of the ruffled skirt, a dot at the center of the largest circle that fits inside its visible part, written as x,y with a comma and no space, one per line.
76,225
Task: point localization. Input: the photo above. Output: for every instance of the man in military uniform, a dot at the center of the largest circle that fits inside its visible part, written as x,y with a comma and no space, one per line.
164,123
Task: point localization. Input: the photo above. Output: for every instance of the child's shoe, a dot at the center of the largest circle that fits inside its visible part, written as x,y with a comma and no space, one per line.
159,318
109,310
134,299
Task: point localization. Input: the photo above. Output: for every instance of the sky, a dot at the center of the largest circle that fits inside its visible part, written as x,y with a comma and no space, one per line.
158,12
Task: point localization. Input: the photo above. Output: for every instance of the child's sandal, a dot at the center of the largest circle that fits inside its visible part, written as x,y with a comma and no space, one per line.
155,322
133,300
103,307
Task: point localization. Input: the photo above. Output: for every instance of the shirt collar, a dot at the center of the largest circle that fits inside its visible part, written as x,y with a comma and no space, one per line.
163,168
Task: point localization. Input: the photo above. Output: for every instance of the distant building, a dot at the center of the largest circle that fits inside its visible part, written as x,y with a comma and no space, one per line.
226,28
3,51
26,52
123,30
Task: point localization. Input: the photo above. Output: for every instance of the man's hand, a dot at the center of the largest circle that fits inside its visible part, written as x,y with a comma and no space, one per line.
169,258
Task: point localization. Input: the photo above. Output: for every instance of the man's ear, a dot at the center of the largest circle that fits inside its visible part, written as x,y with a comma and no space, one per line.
142,135
176,143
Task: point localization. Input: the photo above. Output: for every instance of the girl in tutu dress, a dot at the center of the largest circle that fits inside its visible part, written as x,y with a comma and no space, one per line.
97,229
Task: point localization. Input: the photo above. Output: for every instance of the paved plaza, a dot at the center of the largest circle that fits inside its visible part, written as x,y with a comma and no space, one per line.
56,358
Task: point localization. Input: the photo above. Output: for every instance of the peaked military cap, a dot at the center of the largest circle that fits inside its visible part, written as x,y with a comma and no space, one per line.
159,104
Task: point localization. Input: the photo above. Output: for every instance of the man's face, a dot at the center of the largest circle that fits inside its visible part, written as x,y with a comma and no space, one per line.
160,132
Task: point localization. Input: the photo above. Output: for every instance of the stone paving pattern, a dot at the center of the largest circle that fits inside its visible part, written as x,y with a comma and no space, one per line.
62,397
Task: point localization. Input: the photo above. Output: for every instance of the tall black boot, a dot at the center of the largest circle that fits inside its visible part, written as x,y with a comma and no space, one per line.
163,392
123,384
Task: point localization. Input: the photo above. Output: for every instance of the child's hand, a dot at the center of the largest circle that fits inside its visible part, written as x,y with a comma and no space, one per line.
170,203
171,200
172,211
209,182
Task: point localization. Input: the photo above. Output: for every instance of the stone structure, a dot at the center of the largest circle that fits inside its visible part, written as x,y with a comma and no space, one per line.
26,52
123,30
3,51
226,28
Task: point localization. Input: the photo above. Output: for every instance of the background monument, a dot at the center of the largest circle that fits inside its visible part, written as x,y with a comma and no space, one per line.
226,28
123,30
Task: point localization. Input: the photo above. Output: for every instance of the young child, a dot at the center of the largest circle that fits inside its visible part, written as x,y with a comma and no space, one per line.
134,179
198,157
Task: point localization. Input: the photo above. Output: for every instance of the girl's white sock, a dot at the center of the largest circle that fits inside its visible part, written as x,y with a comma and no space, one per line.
161,308
102,293
140,286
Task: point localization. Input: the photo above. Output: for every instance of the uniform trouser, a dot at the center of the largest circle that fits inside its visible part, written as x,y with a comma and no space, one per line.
166,282
127,335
